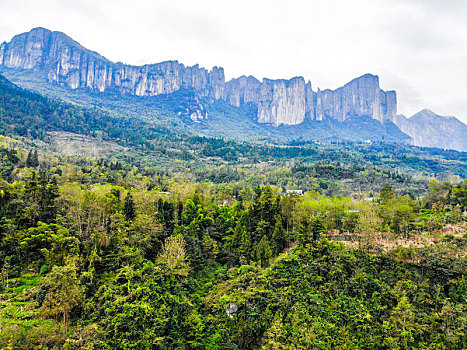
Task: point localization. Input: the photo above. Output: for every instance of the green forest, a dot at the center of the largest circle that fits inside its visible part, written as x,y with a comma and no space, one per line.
178,241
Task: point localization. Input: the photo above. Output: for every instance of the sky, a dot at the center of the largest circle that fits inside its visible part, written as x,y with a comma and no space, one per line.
416,47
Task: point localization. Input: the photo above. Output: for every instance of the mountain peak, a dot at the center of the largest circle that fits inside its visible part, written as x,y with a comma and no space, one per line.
426,114
432,130
39,29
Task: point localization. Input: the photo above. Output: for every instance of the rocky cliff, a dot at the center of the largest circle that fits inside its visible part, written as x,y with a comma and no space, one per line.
67,63
429,129
289,102
282,101
242,91
360,97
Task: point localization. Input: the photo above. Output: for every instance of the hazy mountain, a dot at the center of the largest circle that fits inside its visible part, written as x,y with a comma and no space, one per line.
429,129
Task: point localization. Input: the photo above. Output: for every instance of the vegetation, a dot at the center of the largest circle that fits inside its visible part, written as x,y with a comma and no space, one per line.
186,242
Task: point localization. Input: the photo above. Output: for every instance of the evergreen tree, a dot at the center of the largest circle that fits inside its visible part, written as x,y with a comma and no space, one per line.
50,210
29,159
387,193
279,239
35,159
317,228
32,159
31,187
263,252
129,208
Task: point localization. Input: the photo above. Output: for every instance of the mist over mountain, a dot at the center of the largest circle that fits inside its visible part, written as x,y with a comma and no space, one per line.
62,62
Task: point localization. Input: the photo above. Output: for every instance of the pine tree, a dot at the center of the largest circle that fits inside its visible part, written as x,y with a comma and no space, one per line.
29,159
32,160
35,159
387,193
31,188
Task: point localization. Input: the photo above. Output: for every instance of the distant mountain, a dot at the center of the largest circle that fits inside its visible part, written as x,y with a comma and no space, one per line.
429,129
204,97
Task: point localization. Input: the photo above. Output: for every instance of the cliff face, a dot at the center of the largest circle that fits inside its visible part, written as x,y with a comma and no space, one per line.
360,97
67,63
429,129
290,102
242,91
282,101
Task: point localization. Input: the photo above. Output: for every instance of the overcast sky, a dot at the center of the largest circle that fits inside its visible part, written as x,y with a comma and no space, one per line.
417,47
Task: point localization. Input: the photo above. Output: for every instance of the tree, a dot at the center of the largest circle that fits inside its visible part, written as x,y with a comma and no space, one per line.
48,194
303,233
245,242
317,228
32,159
263,252
279,239
386,194
173,256
64,291
401,328
129,208
368,223
397,213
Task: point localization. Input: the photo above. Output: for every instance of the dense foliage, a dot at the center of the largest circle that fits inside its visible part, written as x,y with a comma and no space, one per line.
187,242
135,265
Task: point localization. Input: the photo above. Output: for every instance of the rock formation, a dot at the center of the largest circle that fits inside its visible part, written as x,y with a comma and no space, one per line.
242,91
290,102
67,63
429,129
282,101
360,97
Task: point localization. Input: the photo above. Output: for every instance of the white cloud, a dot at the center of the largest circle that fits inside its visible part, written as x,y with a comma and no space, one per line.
418,47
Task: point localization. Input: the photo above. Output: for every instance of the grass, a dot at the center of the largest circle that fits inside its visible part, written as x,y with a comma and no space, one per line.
21,323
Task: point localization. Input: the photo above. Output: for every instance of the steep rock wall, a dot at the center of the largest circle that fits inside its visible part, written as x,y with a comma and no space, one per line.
67,63
360,97
290,102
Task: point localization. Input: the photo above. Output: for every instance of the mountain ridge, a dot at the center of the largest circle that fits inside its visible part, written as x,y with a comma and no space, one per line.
289,102
279,101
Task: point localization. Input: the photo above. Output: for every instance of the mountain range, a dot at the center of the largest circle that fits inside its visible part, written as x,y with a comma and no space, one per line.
52,62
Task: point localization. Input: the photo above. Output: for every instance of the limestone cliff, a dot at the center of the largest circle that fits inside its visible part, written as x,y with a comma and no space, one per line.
67,63
290,102
242,91
282,101
360,97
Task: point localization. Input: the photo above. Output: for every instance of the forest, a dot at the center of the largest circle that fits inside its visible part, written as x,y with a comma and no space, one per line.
119,261
179,241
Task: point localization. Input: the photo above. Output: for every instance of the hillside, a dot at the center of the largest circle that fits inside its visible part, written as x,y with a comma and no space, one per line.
30,115
122,232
